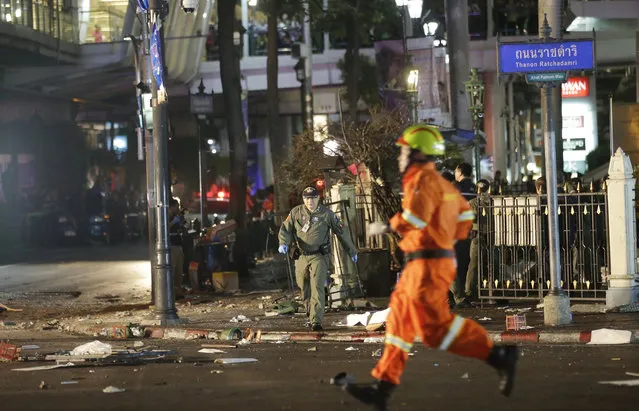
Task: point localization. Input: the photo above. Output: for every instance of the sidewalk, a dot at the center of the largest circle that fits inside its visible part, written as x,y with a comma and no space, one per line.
213,317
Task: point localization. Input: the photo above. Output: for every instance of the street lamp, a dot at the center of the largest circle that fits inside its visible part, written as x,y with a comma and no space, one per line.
475,93
430,27
412,82
439,42
201,107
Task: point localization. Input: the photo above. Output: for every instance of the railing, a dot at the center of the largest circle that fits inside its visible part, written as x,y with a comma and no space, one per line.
513,249
56,22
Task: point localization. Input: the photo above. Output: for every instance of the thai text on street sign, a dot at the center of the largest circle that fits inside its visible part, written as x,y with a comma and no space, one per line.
546,57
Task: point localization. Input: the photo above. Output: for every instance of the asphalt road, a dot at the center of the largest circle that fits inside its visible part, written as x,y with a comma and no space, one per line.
80,273
289,377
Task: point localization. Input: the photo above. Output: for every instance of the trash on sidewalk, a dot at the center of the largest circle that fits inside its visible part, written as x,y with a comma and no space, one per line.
622,383
609,336
485,319
312,349
218,346
30,347
93,348
374,340
9,309
465,376
45,367
357,319
217,372
377,353
515,322
240,319
372,321
68,382
112,390
43,385
9,352
351,349
211,351
227,361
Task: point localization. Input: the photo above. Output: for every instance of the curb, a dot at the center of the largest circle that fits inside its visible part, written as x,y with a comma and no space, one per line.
121,332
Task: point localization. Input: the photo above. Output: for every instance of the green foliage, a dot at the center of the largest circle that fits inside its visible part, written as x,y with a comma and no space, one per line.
367,81
379,16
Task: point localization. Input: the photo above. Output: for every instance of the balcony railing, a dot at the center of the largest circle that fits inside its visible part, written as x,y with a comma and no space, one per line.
58,23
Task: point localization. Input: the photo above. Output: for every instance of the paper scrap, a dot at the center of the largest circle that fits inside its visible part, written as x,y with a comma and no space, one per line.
485,319
465,376
357,319
234,360
45,367
379,317
351,349
622,383
68,382
374,340
92,348
30,347
112,390
211,351
312,349
240,319
608,336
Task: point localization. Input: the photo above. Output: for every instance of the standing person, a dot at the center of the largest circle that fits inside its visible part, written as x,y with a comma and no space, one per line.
434,216
308,227
464,184
176,225
480,233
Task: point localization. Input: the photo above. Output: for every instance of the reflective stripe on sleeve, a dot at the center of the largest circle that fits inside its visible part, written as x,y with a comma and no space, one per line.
398,342
466,216
413,220
453,330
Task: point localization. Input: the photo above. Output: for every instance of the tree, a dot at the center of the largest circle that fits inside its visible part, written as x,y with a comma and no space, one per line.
232,89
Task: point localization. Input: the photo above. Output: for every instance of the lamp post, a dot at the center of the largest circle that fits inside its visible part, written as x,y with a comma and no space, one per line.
475,93
412,81
201,107
300,74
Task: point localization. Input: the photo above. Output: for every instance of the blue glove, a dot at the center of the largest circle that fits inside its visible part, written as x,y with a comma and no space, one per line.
354,258
283,249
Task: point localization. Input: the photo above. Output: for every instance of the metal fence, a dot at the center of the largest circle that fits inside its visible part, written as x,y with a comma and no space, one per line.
513,251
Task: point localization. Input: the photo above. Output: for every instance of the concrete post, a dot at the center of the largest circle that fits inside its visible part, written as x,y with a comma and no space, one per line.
497,100
622,230
458,40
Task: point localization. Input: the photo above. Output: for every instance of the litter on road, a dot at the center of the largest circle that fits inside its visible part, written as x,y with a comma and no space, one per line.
240,319
351,349
30,347
485,319
608,336
622,383
68,382
112,390
45,367
227,361
211,351
92,348
312,349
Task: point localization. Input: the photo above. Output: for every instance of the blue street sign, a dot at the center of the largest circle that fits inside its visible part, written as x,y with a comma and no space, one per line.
556,56
156,61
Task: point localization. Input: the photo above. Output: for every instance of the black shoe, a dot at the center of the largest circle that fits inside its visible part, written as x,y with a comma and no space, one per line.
504,359
316,327
376,394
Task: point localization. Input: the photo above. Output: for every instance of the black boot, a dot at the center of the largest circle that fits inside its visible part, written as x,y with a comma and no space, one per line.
504,359
376,394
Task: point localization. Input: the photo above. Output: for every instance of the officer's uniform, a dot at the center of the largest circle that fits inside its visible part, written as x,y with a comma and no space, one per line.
311,232
480,232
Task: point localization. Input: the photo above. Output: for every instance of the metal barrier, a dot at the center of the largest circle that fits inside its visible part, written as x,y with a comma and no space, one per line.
512,245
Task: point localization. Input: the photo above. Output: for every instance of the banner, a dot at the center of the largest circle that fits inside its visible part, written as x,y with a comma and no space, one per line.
143,4
389,56
157,63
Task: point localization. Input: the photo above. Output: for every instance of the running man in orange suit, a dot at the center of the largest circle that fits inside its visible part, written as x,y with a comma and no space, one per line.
434,217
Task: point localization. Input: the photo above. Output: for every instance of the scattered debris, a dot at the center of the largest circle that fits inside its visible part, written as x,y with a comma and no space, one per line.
112,390
138,344
485,319
313,349
526,327
615,359
540,305
351,348
271,314
211,351
608,336
43,385
622,383
240,319
410,354
68,382
46,367
30,347
377,353
374,340
218,346
465,376
227,361
357,319
436,364
217,371
9,352
9,309
515,322
9,323
93,348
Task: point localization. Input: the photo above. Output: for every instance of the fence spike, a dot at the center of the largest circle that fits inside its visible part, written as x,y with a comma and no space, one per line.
548,283
500,190
521,283
585,210
561,283
579,186
572,210
483,212
588,284
546,211
574,284
485,283
532,284
496,283
592,187
559,210
507,283
604,186
598,209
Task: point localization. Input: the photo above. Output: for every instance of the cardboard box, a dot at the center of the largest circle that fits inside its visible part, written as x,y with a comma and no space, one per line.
225,281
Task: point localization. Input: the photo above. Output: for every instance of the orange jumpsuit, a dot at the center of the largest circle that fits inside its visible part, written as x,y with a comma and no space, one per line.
434,216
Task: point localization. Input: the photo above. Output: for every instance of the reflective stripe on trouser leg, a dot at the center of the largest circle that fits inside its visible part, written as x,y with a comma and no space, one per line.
453,332
398,342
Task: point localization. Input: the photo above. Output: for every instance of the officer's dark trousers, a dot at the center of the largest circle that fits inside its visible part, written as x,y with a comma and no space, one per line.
462,252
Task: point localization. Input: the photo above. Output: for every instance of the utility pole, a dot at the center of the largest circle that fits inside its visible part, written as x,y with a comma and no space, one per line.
165,312
308,68
551,10
557,302
458,39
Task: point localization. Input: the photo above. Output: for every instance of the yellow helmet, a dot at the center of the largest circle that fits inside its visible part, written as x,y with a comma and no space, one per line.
426,139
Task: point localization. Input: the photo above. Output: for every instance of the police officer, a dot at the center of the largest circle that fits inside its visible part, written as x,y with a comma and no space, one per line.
308,227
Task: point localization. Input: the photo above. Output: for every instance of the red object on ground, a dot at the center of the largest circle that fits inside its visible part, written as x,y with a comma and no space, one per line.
9,352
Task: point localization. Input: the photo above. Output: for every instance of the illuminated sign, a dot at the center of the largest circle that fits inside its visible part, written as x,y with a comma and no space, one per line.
543,57
575,144
573,121
575,87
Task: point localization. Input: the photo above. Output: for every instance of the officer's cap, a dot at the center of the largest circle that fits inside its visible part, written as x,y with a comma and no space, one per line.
310,192
483,185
